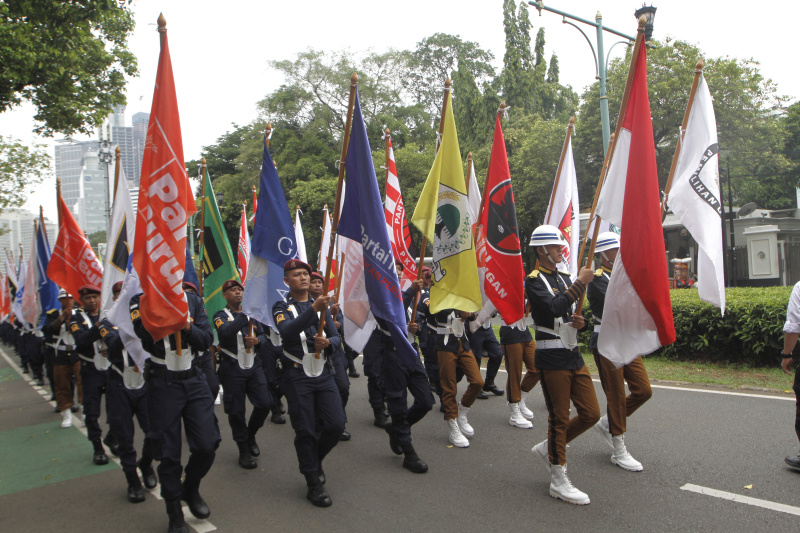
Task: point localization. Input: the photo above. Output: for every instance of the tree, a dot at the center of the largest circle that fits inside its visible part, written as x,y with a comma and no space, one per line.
69,59
20,167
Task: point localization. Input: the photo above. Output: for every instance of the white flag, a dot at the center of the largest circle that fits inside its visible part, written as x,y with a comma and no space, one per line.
119,241
298,235
358,318
695,195
563,209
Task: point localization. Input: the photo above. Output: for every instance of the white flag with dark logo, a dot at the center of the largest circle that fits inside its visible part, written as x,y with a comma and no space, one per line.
119,241
695,195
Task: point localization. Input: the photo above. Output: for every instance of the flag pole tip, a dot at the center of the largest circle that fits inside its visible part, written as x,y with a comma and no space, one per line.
469,155
269,126
447,83
700,64
203,161
387,132
354,78
162,22
118,151
572,120
642,22
298,207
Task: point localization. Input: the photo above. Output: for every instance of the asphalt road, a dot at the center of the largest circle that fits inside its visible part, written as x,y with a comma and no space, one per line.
723,442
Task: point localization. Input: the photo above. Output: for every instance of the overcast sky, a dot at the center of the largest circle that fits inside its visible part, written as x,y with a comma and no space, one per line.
220,49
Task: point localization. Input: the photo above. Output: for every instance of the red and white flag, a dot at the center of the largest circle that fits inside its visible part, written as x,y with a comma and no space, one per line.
396,222
637,318
498,245
563,209
165,203
244,246
255,205
323,251
73,263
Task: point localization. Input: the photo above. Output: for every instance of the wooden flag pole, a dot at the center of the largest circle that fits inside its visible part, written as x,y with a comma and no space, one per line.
613,142
447,84
698,71
117,157
560,166
203,170
58,201
339,185
600,182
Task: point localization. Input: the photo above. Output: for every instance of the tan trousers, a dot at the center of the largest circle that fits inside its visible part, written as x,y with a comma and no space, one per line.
448,362
62,377
516,355
559,387
619,407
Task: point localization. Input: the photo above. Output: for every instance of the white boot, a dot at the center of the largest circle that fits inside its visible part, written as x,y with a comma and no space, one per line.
561,487
527,413
66,418
602,428
516,419
456,438
463,423
622,458
540,451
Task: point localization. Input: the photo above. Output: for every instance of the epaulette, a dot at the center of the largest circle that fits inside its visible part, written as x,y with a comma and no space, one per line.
534,274
598,272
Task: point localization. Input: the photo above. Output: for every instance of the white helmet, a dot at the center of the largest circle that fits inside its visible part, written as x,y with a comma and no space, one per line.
608,240
547,234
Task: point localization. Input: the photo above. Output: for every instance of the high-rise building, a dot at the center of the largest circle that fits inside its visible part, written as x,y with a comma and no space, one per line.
92,209
17,229
69,167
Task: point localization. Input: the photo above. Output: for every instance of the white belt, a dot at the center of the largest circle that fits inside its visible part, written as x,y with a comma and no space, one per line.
445,331
597,328
549,344
547,330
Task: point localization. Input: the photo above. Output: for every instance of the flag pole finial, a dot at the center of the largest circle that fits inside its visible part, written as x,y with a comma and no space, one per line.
448,83
162,23
203,161
642,22
387,132
572,120
700,65
353,80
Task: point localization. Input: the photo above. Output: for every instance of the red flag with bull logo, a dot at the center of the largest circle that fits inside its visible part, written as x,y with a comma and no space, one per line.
498,246
165,203
73,263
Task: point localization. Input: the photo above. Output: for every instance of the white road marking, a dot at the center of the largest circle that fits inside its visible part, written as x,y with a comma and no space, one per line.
201,526
738,498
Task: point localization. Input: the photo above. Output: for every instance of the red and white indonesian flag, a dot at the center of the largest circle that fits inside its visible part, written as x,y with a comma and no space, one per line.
695,195
244,246
165,203
73,263
498,245
563,209
298,235
396,222
637,318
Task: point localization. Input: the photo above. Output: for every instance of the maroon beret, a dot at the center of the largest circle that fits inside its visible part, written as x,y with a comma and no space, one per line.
88,289
231,283
294,264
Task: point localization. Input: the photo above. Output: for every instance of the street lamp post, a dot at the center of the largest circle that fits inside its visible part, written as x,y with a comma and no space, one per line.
601,61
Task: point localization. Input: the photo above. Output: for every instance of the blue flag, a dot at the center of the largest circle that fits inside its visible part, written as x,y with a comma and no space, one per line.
272,244
363,220
48,290
189,272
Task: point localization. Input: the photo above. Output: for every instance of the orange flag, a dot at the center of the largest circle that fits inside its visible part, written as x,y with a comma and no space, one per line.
73,263
165,203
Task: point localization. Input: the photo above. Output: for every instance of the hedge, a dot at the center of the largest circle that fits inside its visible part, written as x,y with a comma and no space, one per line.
750,333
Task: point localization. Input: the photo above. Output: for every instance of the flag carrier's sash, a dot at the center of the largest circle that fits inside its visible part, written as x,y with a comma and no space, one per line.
100,361
244,359
173,361
563,330
312,366
132,378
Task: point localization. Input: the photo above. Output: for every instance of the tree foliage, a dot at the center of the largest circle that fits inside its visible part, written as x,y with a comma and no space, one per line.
20,167
68,58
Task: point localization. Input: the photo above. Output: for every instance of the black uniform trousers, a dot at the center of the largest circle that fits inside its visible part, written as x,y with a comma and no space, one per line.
205,362
399,380
373,368
168,401
316,412
340,362
483,341
432,362
35,355
240,384
123,405
94,386
270,355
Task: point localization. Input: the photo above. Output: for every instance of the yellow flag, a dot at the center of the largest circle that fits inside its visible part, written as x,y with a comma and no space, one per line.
442,215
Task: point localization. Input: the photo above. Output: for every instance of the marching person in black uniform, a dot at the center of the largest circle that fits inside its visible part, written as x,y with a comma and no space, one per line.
126,396
315,408
339,358
94,365
205,361
399,381
66,364
552,296
427,339
240,372
619,407
482,342
177,391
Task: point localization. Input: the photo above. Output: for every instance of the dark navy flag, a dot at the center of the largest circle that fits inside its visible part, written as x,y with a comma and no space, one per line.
272,244
48,290
363,220
189,272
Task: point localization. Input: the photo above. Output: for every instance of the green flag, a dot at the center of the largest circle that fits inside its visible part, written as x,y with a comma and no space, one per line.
218,264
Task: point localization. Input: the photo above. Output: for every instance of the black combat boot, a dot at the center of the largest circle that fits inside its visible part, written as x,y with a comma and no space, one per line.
412,462
489,386
99,457
255,451
111,441
393,444
277,417
135,489
245,458
316,491
148,474
381,420
175,513
191,495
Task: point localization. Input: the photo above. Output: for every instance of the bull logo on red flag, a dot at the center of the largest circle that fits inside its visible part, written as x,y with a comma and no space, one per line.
501,230
566,229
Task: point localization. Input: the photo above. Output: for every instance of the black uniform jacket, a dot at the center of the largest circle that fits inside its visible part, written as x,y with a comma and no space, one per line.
198,339
290,326
228,328
596,292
